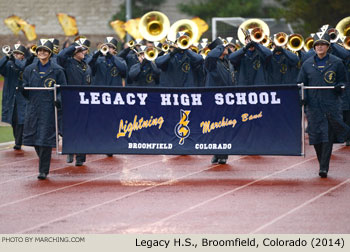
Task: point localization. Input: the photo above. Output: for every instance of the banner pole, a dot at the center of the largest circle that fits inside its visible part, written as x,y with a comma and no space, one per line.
302,121
56,120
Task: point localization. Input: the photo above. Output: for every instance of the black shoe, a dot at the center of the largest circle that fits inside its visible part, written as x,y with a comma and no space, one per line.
17,147
347,143
222,160
109,155
214,160
79,163
70,158
323,174
42,176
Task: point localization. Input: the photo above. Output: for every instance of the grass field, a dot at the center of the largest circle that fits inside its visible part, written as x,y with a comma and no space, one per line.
6,134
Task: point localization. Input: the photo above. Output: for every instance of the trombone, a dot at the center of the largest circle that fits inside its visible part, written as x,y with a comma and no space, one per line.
131,43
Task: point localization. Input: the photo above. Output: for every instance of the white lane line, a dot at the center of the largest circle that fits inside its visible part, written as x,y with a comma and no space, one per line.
117,199
72,185
300,206
161,221
226,193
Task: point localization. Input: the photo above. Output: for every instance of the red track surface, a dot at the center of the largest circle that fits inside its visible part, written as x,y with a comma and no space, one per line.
175,194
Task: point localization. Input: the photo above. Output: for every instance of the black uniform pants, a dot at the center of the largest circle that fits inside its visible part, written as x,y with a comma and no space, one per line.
346,117
80,157
17,129
221,156
324,150
44,154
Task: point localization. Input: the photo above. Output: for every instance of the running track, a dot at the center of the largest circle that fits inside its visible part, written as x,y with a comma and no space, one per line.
175,194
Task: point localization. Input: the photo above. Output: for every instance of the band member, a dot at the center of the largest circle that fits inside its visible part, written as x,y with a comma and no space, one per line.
144,73
220,73
108,69
39,124
78,72
250,62
178,65
346,96
280,67
219,70
323,106
13,102
56,49
83,41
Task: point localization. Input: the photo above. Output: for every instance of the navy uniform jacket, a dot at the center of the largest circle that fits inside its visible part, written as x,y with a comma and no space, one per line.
131,59
280,68
343,54
251,69
199,75
346,96
77,73
219,72
108,70
39,124
178,69
54,58
12,70
145,74
323,105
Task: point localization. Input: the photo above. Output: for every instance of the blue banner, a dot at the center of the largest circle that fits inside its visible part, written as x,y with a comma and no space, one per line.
260,120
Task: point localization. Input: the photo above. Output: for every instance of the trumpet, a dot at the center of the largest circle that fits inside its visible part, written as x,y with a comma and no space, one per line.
104,49
205,52
309,41
295,42
165,47
6,49
151,53
195,48
334,35
183,42
186,26
32,49
280,39
249,26
267,42
257,34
